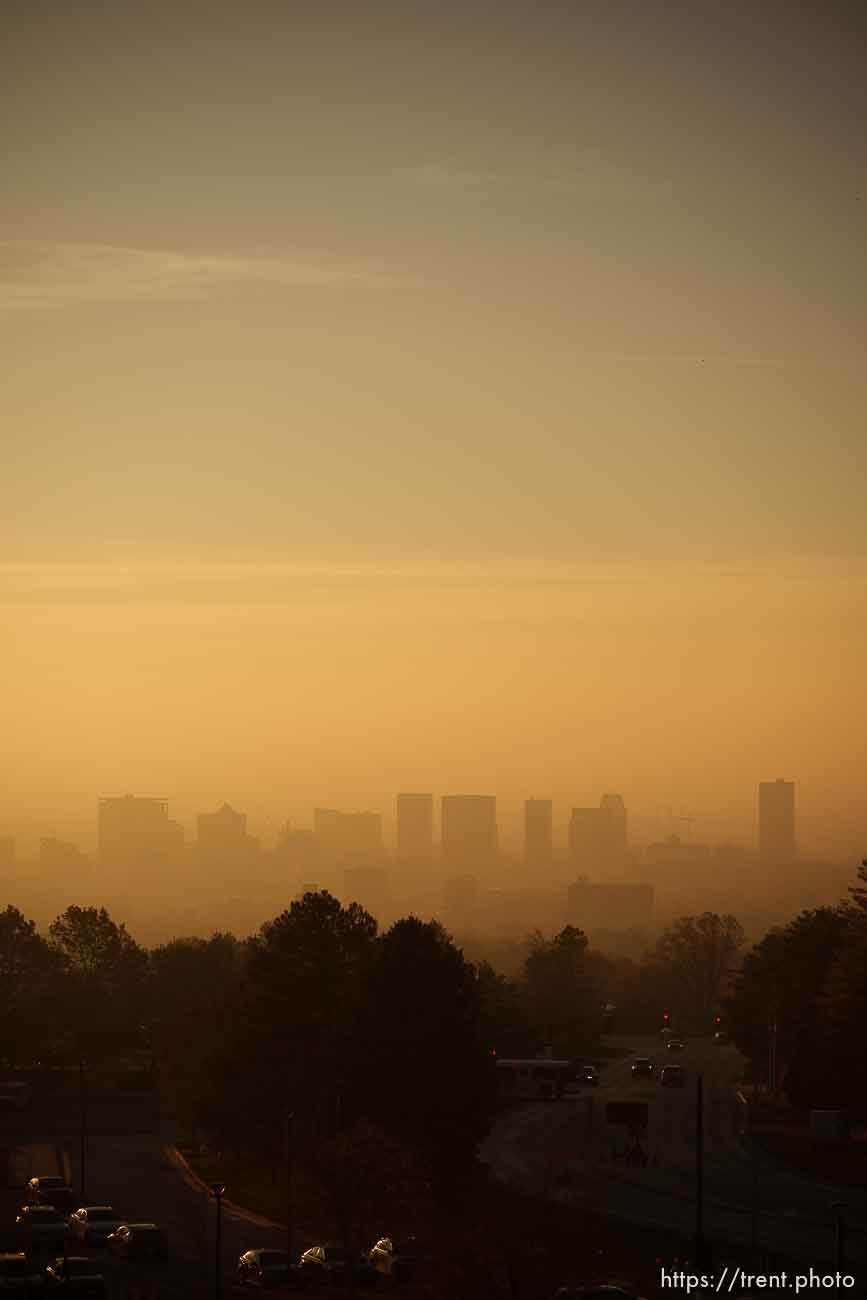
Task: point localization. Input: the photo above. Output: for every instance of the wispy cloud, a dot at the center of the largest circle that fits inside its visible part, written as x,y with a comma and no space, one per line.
40,275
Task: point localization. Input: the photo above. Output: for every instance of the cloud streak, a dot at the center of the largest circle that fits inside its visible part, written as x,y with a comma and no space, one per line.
37,275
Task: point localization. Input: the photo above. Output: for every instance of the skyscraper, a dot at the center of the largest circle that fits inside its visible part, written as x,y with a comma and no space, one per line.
136,834
348,839
777,821
469,829
415,828
538,832
597,836
223,844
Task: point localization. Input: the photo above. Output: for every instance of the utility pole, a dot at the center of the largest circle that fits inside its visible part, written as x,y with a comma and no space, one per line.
219,1191
699,1172
290,1116
83,1131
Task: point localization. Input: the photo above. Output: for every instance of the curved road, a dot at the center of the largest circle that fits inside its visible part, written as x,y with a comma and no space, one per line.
565,1149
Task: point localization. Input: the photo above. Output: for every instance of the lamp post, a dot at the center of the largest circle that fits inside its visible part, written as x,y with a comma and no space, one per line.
83,1131
290,1116
218,1190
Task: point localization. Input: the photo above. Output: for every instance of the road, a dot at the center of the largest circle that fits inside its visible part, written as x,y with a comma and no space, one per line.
127,1168
565,1149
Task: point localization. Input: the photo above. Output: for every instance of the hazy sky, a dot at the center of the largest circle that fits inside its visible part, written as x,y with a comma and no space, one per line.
440,396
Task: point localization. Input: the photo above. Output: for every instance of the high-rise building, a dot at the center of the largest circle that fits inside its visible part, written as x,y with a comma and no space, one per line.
415,828
538,832
469,829
348,838
597,836
222,843
136,834
777,821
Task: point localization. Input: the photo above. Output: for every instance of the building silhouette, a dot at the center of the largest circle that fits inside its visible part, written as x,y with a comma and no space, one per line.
594,906
415,828
136,834
777,821
597,836
469,829
368,886
348,839
538,832
223,847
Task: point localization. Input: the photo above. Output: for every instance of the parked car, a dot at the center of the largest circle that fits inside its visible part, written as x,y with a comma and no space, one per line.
267,1268
139,1241
672,1076
92,1224
49,1189
642,1065
397,1259
333,1264
75,1275
19,1276
587,1076
676,1045
41,1227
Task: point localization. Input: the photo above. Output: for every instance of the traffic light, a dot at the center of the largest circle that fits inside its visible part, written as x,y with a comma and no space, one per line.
717,1020
666,1017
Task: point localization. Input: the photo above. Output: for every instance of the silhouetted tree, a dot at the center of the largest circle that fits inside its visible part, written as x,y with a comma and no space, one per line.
697,955
782,979
427,1077
105,982
28,978
560,992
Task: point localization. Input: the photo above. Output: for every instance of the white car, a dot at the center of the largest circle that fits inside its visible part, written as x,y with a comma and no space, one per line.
91,1224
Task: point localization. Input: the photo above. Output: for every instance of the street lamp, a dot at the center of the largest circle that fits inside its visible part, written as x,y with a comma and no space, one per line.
83,1131
218,1191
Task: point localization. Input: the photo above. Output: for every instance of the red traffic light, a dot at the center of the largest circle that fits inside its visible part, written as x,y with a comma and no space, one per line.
666,1017
717,1020
493,1051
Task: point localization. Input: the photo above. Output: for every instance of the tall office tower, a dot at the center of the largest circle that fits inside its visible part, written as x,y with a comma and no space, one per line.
222,842
469,829
538,832
348,838
415,828
597,836
777,821
136,834
613,824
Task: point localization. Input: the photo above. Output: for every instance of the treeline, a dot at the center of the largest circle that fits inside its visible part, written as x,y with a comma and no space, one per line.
805,987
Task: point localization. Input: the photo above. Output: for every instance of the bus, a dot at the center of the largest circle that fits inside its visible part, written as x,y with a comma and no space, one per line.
541,1078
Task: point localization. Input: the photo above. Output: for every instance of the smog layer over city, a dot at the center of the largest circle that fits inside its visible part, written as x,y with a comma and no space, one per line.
434,599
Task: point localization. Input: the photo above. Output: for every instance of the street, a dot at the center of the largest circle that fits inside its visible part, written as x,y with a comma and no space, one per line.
565,1149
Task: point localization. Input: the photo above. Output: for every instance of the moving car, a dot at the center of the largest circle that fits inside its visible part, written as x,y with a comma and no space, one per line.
139,1241
642,1065
672,1076
41,1227
333,1264
266,1268
75,1275
721,1038
18,1276
395,1259
675,1045
92,1224
49,1189
588,1077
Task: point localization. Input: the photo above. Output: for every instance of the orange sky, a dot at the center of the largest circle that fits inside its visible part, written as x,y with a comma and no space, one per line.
465,399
